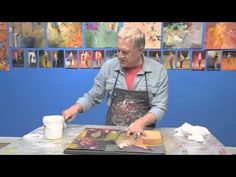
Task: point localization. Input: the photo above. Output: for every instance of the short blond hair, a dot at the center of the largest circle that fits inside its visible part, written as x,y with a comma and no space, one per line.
135,34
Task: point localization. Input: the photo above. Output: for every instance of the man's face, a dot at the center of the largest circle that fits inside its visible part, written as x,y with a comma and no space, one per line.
128,54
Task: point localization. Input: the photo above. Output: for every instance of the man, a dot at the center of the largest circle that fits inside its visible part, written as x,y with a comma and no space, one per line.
136,86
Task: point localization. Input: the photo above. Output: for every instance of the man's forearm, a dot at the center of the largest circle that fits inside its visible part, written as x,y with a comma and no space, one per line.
146,120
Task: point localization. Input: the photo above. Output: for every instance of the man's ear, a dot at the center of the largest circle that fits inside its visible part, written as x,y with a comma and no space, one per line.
141,49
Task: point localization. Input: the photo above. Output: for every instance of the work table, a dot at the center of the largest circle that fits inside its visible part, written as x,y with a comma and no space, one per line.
34,143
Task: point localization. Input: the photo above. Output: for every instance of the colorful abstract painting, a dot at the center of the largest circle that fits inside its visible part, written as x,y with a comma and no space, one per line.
71,59
98,58
64,34
18,58
198,60
101,34
4,58
85,59
169,59
183,60
152,32
58,58
27,34
183,34
108,140
155,55
228,60
32,58
45,59
213,60
220,35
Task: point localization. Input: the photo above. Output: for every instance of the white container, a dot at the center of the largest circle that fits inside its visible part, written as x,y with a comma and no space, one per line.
53,126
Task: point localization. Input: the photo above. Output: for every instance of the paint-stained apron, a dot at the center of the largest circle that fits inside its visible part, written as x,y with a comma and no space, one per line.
127,106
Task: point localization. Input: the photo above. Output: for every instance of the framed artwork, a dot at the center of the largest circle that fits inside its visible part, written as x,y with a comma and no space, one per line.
4,57
183,34
198,60
101,34
65,34
27,34
45,59
220,35
152,32
85,59
228,60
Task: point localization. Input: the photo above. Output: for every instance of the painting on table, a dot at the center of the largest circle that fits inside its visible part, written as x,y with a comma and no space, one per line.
115,141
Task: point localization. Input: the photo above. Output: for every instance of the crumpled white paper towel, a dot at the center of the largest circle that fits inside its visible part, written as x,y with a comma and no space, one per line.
195,133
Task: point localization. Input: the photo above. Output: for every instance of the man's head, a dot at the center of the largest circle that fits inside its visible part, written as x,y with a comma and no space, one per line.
131,43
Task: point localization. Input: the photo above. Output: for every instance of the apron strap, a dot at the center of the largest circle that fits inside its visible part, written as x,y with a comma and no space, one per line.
146,80
112,95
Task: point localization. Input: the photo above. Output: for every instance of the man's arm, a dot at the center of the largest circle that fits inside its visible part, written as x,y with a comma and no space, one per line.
90,99
158,107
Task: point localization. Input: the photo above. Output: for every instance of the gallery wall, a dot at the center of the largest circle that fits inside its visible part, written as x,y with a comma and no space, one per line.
44,75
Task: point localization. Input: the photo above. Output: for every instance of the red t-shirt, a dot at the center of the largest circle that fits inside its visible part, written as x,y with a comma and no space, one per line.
130,74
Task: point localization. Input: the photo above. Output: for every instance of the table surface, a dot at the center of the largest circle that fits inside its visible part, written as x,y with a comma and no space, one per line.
34,143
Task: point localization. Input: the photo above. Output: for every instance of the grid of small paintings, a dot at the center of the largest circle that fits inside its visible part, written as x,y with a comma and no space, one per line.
195,46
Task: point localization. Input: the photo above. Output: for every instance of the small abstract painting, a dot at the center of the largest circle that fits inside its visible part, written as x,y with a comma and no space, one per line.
155,55
98,58
32,58
213,60
58,58
85,59
71,59
183,60
198,60
17,58
45,59
169,59
228,60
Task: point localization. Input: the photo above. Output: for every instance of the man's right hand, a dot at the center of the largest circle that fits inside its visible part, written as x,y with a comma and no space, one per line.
70,113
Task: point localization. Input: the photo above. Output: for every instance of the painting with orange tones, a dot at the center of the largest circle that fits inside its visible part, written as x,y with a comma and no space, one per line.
27,34
85,59
228,60
152,32
17,58
64,34
98,58
183,60
198,60
71,59
220,35
45,59
182,34
4,58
